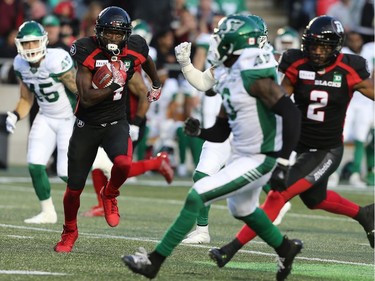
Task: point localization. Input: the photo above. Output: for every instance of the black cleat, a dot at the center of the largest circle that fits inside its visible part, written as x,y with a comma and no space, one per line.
285,263
219,256
368,222
139,263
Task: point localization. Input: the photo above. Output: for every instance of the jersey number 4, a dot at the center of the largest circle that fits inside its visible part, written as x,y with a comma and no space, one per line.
319,100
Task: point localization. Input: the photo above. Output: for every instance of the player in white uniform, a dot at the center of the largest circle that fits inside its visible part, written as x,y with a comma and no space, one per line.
360,114
215,155
49,74
252,99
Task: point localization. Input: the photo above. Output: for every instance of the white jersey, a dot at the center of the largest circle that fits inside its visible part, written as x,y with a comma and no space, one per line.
254,127
359,116
53,98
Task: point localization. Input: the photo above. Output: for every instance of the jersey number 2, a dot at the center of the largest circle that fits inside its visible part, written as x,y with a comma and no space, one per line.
319,100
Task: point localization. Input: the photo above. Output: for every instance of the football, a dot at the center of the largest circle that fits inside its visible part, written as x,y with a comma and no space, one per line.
103,76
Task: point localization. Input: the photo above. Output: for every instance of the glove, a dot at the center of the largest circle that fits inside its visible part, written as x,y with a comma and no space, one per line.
279,175
11,121
182,52
154,94
119,75
192,127
134,132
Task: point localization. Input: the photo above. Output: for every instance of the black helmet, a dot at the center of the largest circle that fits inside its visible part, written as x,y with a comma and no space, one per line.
113,19
325,31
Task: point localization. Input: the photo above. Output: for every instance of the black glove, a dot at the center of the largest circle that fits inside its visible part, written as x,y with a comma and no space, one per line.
191,127
279,175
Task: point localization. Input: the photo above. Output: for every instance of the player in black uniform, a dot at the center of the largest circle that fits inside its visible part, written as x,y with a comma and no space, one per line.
323,81
101,114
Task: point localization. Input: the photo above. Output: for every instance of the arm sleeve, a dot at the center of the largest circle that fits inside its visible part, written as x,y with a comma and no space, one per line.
202,81
219,132
291,118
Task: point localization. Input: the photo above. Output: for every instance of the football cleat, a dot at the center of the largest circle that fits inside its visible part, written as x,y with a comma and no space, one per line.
140,263
43,217
199,236
356,181
285,263
111,212
367,222
68,238
219,256
165,168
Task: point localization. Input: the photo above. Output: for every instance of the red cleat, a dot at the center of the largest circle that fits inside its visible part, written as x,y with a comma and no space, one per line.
165,168
111,213
68,238
95,211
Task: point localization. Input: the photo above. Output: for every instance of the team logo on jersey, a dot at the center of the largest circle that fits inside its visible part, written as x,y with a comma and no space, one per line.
127,64
80,123
73,49
307,75
337,77
100,63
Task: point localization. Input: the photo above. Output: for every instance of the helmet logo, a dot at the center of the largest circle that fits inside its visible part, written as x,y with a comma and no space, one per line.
232,25
339,27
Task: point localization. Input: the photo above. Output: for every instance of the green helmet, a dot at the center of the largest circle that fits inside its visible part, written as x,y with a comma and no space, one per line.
142,28
263,27
234,34
286,38
31,31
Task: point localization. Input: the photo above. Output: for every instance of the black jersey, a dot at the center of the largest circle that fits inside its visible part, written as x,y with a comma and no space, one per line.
86,52
323,96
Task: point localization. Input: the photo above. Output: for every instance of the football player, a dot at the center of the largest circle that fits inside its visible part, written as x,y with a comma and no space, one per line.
101,114
137,107
247,81
49,75
214,156
322,80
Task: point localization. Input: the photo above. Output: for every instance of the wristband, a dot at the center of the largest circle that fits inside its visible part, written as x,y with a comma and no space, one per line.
17,114
137,121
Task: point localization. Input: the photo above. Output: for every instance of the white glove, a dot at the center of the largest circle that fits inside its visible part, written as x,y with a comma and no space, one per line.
11,122
134,132
182,52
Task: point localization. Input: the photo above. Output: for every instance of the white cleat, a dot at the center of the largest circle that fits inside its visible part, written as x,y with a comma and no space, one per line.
282,213
333,180
199,236
356,181
43,217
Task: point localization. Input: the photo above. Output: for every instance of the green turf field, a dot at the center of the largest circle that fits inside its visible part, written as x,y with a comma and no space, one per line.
336,247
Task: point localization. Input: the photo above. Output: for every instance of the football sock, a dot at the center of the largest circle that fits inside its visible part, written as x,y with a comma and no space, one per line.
264,228
71,202
182,143
40,181
120,171
358,156
99,179
202,219
141,167
182,225
336,204
271,206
